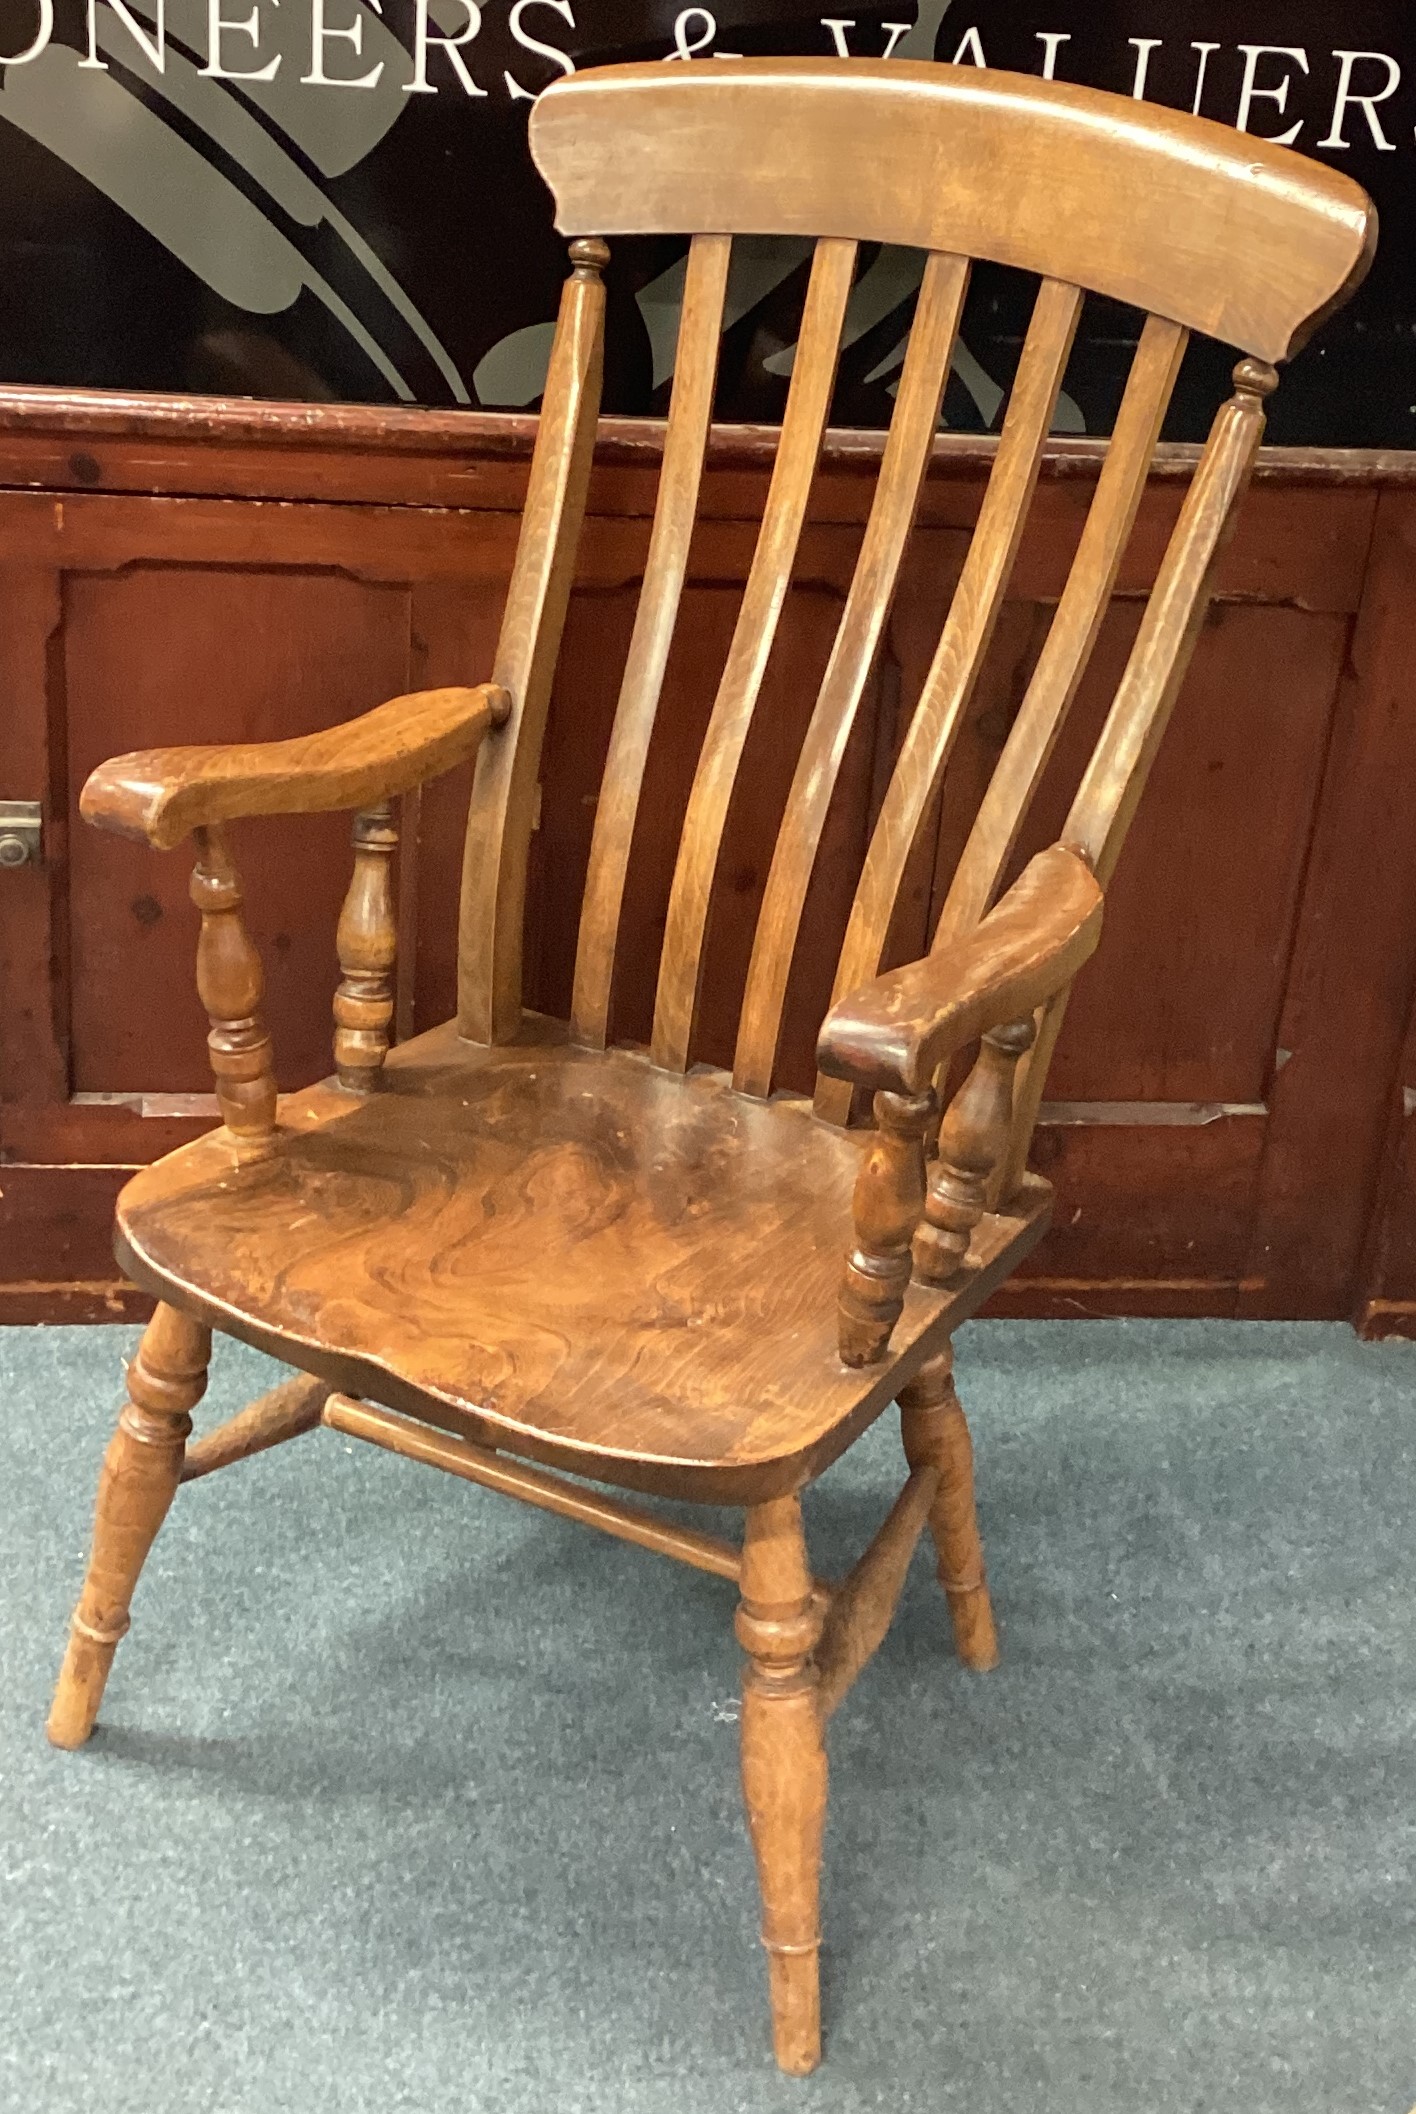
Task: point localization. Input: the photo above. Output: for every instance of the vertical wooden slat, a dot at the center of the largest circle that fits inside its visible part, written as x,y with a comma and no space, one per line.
503,808
808,401
690,413
1073,631
857,639
962,647
1115,778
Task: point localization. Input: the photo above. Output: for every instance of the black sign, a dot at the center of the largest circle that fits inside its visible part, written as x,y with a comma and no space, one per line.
332,199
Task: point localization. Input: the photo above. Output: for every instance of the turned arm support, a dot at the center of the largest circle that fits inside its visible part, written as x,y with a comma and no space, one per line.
161,795
895,1033
164,795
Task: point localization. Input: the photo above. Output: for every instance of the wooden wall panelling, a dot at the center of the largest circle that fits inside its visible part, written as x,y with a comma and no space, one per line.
1264,903
1157,1110
34,1058
52,1220
277,650
1386,1304
1354,964
1159,1091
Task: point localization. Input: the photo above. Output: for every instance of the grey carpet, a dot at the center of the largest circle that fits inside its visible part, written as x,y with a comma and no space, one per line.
408,1798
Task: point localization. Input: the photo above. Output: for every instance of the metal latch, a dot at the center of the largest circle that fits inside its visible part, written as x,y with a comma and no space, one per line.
21,827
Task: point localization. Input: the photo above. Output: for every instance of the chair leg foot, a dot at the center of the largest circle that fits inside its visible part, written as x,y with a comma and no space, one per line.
935,1429
784,1769
140,1474
794,1986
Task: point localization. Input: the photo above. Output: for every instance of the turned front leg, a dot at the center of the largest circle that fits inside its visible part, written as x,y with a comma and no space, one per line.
230,984
887,1206
367,944
784,1768
972,1140
935,1430
141,1470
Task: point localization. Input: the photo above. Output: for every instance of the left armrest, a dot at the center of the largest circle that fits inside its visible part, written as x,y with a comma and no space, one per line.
894,1033
160,795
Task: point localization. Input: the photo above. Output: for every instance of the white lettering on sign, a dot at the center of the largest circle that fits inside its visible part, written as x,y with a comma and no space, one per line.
218,26
154,48
322,33
1251,92
41,37
1051,40
528,43
1348,96
1143,47
1201,70
1359,83
423,40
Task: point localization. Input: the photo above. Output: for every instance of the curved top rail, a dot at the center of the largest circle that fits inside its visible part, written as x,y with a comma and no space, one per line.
1232,236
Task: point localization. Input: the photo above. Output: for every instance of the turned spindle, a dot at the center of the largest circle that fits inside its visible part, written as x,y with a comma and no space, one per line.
230,984
889,1198
141,1470
367,945
972,1139
935,1433
779,1621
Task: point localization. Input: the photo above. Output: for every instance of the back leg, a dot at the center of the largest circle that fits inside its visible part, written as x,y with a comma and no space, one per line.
934,1428
141,1469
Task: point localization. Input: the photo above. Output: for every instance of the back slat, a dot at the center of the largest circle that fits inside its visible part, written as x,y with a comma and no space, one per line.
808,401
902,469
1073,632
504,790
1115,778
962,647
690,411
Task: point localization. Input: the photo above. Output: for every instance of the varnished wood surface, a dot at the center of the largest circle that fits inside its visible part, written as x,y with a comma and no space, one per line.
1073,632
754,634
533,1486
897,1031
287,1410
1051,178
504,791
606,1267
231,988
366,941
934,1429
863,1605
779,1621
959,656
655,619
853,655
141,1470
158,444
163,794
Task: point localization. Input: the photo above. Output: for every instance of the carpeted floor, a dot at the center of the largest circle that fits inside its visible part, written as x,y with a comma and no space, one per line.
408,1798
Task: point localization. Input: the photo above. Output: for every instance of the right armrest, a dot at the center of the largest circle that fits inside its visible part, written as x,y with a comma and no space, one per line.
160,795
896,1031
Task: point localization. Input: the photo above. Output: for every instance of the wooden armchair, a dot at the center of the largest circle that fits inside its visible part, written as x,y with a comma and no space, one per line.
543,1263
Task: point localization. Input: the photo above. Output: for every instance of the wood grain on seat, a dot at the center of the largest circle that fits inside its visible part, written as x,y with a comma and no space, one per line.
600,1264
